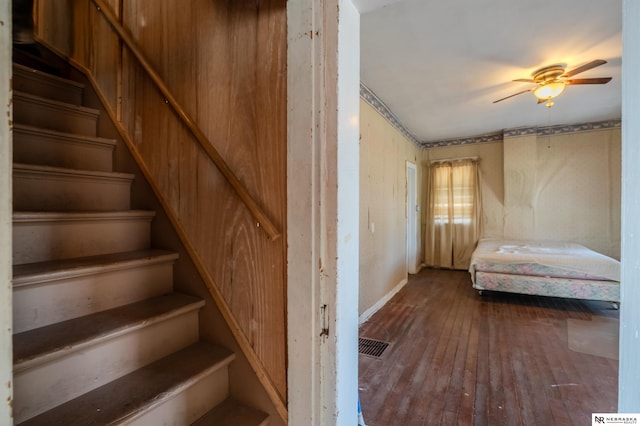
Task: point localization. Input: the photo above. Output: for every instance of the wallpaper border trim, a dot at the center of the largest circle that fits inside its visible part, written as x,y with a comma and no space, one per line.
376,103
492,137
560,129
577,128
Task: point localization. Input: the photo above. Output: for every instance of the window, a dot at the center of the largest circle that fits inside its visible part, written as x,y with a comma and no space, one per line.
453,193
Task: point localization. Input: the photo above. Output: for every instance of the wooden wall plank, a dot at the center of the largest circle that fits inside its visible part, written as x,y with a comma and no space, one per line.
104,55
225,61
213,69
52,24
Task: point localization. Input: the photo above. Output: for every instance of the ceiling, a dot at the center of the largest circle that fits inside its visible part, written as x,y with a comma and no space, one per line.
439,65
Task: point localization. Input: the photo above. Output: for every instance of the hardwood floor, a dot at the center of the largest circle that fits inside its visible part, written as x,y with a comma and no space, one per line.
456,357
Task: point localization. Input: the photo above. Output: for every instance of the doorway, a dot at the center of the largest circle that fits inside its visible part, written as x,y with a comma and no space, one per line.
412,218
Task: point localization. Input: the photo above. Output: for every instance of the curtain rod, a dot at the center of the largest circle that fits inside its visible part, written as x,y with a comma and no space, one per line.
449,160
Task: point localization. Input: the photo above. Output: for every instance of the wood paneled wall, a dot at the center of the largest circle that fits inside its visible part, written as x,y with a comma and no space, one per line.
225,61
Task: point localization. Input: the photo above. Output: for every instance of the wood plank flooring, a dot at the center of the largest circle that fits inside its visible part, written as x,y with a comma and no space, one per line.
458,358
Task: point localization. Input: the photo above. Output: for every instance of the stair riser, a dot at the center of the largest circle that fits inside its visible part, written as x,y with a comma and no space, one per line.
51,240
49,302
43,387
189,405
49,115
35,191
32,147
46,86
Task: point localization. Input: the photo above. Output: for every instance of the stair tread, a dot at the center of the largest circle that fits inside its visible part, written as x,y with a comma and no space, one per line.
49,342
27,216
46,75
138,391
59,104
29,59
82,265
232,413
25,128
37,168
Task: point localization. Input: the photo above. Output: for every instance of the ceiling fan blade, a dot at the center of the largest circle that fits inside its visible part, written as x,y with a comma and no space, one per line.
585,67
541,101
599,80
525,80
515,94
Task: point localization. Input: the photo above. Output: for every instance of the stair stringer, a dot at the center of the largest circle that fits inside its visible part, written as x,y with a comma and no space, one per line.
248,380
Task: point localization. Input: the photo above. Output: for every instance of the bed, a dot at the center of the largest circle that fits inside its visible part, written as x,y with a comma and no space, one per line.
548,268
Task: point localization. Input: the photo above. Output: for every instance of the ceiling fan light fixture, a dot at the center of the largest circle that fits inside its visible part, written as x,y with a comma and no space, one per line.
549,90
552,80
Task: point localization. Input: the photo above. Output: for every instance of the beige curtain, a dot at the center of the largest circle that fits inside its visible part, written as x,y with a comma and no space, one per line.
454,213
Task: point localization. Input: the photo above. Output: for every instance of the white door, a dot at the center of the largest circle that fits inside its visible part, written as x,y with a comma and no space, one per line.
412,219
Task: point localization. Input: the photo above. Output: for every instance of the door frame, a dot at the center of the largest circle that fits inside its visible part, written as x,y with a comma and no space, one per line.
6,355
412,206
323,109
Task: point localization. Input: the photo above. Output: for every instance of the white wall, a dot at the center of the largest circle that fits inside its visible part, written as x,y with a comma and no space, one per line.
345,322
384,152
629,367
6,357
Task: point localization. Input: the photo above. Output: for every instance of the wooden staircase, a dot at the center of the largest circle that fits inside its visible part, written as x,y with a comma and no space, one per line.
99,335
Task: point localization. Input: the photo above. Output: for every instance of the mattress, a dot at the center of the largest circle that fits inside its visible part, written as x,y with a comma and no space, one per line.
551,259
546,268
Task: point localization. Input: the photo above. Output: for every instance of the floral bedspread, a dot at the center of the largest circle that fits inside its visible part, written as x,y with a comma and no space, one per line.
545,268
534,269
548,258
545,286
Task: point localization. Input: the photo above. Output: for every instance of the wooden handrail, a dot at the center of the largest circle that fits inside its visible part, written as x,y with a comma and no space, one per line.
241,190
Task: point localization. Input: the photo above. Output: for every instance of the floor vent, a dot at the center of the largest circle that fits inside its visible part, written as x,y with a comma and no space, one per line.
371,347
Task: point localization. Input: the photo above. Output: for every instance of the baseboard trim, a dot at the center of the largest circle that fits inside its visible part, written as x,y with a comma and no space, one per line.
380,303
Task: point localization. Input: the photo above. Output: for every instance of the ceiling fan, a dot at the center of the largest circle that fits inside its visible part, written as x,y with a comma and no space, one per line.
552,80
